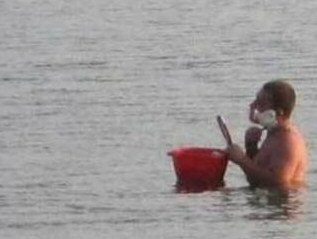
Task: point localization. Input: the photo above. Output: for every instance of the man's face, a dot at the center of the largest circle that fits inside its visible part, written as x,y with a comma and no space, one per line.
262,102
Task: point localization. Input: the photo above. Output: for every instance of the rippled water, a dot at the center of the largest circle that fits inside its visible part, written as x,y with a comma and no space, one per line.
94,93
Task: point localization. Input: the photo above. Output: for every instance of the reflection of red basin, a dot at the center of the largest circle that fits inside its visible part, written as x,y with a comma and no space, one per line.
199,169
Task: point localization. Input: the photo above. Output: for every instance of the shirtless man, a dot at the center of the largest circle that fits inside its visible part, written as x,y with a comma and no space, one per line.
281,160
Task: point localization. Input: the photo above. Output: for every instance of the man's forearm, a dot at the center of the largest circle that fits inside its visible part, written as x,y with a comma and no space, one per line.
251,149
257,175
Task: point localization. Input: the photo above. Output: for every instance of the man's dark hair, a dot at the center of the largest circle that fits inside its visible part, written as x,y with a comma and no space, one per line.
283,96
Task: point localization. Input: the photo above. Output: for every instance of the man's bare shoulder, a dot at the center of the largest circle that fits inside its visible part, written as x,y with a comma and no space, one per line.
285,136
283,143
293,138
289,144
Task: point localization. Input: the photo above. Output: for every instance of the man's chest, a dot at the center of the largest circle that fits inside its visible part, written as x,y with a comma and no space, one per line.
265,153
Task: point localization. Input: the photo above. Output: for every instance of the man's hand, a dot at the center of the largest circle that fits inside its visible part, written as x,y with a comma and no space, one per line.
253,135
236,154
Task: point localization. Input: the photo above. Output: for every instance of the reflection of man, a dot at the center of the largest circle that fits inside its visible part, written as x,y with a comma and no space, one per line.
281,160
277,204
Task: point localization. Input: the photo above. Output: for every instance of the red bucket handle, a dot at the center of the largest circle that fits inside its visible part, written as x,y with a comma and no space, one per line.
224,130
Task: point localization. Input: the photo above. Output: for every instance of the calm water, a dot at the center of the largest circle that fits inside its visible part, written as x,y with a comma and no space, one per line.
95,92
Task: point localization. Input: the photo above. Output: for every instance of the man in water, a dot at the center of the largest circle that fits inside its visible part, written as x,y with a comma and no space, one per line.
281,160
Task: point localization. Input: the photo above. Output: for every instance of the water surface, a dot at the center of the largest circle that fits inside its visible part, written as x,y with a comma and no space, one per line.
94,93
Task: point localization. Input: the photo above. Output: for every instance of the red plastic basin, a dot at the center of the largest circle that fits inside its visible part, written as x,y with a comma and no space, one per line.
199,169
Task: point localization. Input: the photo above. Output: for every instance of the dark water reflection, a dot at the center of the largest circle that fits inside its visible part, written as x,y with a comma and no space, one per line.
274,204
259,203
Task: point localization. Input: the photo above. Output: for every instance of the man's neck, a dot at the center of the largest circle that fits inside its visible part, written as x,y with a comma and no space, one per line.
283,124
